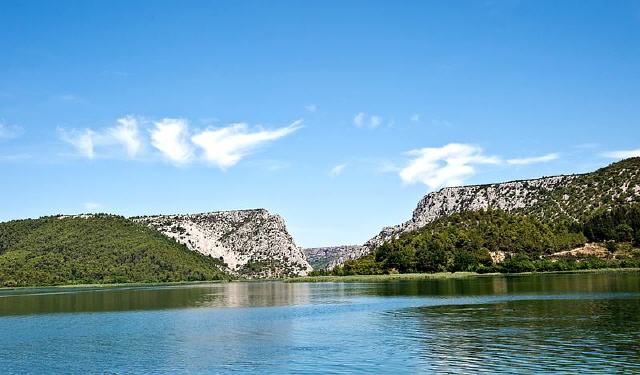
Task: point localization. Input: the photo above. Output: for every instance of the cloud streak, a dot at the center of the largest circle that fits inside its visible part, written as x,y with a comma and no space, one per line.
622,154
9,131
337,170
361,119
534,160
82,141
172,139
453,164
124,134
224,147
127,135
449,165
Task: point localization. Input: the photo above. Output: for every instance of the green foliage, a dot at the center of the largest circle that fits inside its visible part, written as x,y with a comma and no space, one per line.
366,265
463,242
618,224
265,268
602,190
522,263
598,207
95,249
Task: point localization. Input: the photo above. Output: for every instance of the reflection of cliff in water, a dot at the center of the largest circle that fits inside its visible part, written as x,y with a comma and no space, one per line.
56,300
261,294
256,294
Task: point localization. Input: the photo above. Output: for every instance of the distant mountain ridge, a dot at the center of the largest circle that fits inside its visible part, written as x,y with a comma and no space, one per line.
252,243
326,258
566,197
256,244
508,196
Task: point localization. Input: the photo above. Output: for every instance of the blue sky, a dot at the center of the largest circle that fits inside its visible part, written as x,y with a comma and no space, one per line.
338,115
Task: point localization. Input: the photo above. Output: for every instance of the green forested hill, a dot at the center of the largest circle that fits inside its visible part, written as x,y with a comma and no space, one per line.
465,242
526,220
95,249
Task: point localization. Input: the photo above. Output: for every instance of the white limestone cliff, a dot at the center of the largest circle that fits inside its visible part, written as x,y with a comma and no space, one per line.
508,196
253,243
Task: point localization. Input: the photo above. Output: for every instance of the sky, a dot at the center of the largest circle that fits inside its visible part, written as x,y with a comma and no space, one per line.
337,115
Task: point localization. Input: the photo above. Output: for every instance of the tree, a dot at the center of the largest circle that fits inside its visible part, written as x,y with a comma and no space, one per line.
624,233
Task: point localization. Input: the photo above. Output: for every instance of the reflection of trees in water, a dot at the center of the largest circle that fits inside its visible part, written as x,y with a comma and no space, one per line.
510,284
94,300
531,335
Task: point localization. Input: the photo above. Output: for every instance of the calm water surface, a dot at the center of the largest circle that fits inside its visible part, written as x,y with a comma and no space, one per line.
579,323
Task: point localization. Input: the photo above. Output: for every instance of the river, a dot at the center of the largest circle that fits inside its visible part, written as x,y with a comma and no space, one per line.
569,323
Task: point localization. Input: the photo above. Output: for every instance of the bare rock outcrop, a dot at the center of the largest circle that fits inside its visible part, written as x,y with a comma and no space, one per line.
252,243
508,196
326,258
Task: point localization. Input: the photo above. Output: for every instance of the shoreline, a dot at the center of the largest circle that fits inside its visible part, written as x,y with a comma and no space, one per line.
116,285
320,279
439,276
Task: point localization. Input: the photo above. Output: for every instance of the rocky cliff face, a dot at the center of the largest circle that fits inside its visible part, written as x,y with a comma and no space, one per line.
570,198
509,196
253,243
326,258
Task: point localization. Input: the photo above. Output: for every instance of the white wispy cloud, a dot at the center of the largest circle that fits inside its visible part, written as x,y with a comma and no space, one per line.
361,119
533,160
622,154
123,135
448,165
375,121
127,134
224,147
312,108
337,170
171,138
9,131
415,118
82,141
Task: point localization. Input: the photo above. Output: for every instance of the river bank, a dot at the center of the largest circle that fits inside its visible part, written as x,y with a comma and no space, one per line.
437,276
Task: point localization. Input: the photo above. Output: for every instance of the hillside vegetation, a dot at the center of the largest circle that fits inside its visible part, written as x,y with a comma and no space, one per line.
523,228
95,249
467,241
607,188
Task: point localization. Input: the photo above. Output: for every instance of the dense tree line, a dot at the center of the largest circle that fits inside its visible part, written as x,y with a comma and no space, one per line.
96,249
621,224
464,241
